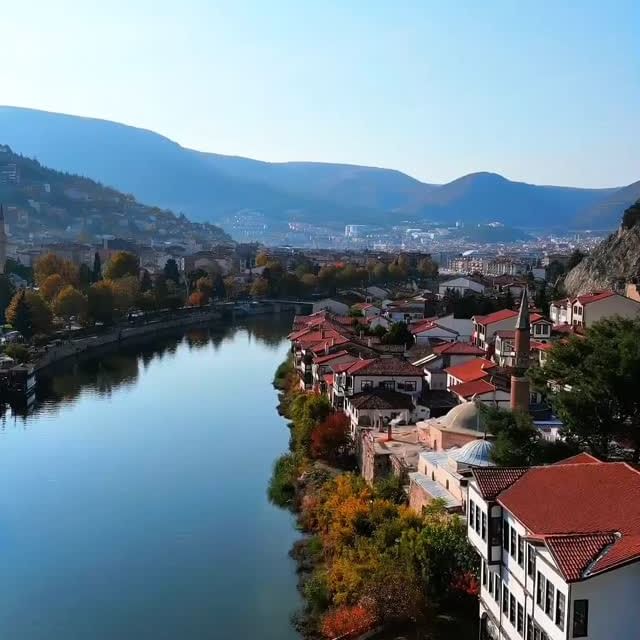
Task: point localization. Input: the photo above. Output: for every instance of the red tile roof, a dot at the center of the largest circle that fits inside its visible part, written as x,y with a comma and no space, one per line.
497,316
541,346
575,553
584,499
474,388
330,356
580,458
428,325
384,367
458,349
471,370
594,297
328,378
493,480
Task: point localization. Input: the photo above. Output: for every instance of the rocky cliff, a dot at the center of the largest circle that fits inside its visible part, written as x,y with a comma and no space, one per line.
611,264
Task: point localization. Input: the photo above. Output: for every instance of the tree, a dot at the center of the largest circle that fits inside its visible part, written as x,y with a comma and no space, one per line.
259,288
50,264
575,259
146,284
18,352
380,272
204,287
52,286
125,292
631,215
122,264
96,272
330,439
594,381
262,259
84,277
101,302
347,621
218,291
398,334
7,291
171,271
69,303
198,299
428,269
19,314
41,315
230,287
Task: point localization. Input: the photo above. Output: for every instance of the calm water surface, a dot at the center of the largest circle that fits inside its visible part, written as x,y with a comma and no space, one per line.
133,496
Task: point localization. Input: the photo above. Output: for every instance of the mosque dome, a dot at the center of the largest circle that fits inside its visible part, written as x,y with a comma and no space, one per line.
463,416
476,453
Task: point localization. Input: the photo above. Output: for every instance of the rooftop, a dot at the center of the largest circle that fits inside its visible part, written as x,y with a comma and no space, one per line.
471,370
497,316
381,399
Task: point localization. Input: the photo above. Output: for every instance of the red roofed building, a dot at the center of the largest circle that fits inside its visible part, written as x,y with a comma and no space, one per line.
585,310
559,548
475,369
442,357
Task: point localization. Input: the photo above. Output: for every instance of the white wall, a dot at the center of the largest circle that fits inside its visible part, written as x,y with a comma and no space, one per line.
614,305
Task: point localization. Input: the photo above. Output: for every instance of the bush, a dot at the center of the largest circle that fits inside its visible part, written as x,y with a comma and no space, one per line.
282,486
18,352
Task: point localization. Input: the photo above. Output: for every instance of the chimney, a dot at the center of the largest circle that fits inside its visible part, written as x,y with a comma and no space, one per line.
389,431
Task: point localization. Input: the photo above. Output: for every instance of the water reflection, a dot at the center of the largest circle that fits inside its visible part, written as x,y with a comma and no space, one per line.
105,373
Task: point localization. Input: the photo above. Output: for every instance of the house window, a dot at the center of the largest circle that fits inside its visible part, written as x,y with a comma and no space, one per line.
560,610
408,385
447,485
496,588
580,618
366,384
529,628
483,571
531,561
513,543
505,536
548,601
512,610
483,529
520,551
520,620
389,385
540,589
490,587
433,475
505,599
494,531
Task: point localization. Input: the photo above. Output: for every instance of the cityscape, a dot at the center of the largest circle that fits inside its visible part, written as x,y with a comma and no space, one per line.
320,322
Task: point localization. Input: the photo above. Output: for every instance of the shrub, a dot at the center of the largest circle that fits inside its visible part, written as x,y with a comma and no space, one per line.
282,486
18,352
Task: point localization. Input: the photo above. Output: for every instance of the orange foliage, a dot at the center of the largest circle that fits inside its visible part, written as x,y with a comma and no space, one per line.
198,299
466,582
330,438
347,622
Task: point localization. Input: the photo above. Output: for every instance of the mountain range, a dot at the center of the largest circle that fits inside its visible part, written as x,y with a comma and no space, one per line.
211,187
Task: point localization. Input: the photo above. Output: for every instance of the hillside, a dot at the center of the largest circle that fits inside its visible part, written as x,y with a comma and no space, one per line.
211,187
50,204
615,261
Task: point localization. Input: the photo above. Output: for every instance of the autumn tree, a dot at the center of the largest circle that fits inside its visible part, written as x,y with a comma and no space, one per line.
198,299
262,259
50,264
428,269
122,264
51,286
18,314
259,288
69,303
347,621
204,287
125,292
7,291
330,439
41,315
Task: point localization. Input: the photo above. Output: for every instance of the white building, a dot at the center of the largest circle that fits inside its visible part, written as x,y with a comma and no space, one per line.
583,311
559,549
461,286
334,306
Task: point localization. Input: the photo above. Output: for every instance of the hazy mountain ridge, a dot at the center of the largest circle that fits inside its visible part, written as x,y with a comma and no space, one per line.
209,186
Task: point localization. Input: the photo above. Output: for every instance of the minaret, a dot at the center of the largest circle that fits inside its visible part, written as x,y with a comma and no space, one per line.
3,242
519,380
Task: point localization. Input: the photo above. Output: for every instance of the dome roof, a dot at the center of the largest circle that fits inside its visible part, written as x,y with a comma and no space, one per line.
476,453
463,416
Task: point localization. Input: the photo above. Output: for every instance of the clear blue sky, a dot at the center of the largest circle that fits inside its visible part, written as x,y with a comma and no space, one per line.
542,91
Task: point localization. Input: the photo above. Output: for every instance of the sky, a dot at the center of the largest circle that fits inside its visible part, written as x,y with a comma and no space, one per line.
546,91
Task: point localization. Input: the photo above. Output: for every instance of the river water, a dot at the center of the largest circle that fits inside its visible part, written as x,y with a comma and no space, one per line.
133,496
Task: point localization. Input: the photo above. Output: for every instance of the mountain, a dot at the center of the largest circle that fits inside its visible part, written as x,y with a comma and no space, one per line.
209,186
606,211
615,261
43,203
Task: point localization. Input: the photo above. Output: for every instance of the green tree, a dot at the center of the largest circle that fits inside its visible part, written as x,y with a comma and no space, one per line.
398,334
41,315
101,302
575,259
96,272
631,215
7,291
18,352
594,382
85,277
19,314
428,269
259,288
146,284
171,271
218,290
122,264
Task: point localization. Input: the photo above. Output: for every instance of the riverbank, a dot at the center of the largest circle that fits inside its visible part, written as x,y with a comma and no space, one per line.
89,344
366,560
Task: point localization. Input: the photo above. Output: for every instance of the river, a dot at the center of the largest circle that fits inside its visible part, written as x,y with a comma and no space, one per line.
133,496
